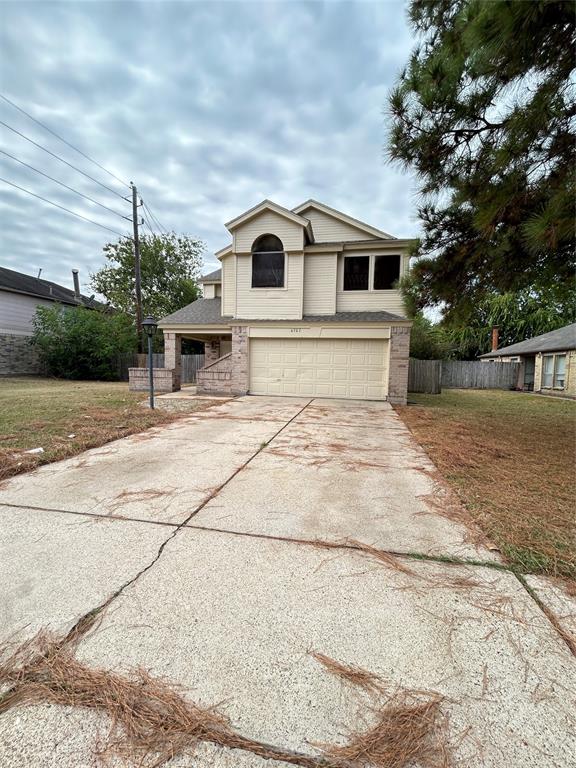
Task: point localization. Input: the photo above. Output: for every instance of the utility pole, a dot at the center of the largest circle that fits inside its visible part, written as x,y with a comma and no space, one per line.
137,280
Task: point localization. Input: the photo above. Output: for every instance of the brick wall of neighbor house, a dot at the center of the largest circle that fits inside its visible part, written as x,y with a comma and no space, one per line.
18,357
164,380
173,358
216,378
240,370
571,373
398,371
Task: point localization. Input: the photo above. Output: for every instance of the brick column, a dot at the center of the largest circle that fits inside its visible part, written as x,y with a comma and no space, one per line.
398,373
173,356
240,373
211,352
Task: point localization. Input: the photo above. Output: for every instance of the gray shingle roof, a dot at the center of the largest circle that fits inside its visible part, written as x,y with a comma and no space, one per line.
562,338
43,289
208,312
213,277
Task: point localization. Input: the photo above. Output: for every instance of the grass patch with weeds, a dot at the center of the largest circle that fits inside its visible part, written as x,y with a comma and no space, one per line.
511,459
65,418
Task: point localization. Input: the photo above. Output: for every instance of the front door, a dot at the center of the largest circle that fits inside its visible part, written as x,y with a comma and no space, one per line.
529,363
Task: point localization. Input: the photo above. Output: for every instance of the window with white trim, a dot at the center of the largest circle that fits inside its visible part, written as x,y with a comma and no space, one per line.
377,272
554,371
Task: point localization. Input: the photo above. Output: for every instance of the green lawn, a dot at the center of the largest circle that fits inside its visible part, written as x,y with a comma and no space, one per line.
65,418
511,457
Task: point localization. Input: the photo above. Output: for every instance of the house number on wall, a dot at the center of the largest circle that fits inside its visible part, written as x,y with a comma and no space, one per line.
295,330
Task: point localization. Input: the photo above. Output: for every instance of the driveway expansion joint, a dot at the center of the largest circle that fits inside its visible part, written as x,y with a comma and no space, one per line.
86,622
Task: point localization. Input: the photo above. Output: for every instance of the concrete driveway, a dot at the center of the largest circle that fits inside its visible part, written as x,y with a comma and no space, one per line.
206,542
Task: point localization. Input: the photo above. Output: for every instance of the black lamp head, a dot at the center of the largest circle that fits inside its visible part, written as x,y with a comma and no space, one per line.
149,324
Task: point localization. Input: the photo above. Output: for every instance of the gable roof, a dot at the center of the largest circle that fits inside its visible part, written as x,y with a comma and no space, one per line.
212,277
268,205
18,282
301,209
553,341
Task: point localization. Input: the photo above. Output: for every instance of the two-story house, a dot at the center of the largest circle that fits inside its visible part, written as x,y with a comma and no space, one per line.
306,303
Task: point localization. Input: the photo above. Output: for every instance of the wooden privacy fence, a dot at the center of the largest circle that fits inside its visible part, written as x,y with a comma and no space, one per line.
425,376
190,364
431,375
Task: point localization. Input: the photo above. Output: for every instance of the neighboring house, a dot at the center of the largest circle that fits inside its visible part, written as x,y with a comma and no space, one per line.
306,303
20,295
548,361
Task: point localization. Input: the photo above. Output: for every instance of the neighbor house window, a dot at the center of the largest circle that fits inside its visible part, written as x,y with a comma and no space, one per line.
356,272
547,371
386,272
268,262
554,371
559,371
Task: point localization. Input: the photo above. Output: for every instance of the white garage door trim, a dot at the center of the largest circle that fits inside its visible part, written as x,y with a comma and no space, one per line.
319,367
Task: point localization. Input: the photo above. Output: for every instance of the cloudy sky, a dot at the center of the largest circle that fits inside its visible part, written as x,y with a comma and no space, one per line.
208,107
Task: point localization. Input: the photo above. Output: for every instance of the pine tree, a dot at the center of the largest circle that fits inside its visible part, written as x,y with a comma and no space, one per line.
485,114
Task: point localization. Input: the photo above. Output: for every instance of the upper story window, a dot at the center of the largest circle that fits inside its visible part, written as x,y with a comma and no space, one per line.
356,273
365,273
268,262
386,272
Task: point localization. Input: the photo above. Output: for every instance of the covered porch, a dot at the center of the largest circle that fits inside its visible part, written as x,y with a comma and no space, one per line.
216,377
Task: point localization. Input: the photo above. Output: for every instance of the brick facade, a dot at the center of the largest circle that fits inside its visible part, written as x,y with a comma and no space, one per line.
18,357
216,378
398,373
211,352
164,380
240,369
173,358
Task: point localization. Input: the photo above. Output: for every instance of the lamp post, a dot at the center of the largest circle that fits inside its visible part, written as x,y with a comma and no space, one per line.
149,324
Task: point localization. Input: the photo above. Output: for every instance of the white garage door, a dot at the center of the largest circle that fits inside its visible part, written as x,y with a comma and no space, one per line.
350,368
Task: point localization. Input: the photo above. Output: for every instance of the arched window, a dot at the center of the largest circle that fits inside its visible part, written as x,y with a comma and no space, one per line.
267,262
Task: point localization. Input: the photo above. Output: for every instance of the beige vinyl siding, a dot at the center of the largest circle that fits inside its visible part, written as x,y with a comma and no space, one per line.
329,229
320,283
270,303
17,312
229,285
269,222
370,301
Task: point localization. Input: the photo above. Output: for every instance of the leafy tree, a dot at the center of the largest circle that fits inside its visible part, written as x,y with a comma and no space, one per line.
169,267
428,341
519,316
80,343
484,113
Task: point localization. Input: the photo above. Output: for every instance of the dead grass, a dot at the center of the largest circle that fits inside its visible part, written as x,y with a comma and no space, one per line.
511,459
152,721
407,727
65,418
357,676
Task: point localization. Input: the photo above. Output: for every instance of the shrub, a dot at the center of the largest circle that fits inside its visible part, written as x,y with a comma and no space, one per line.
80,343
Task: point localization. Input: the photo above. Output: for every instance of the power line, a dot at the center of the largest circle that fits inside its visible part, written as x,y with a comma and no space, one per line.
145,221
57,205
62,139
154,218
64,185
45,149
